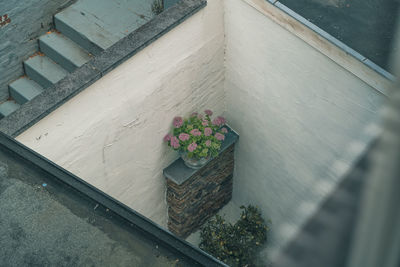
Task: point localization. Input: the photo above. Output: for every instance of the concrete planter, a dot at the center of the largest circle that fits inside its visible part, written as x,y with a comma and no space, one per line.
193,163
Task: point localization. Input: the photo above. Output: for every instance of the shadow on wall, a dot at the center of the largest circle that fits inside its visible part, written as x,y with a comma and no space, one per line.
25,21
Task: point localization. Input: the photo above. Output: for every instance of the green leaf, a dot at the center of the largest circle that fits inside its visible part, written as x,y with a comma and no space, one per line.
235,244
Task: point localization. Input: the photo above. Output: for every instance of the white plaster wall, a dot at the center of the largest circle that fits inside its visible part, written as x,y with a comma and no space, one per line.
111,134
296,111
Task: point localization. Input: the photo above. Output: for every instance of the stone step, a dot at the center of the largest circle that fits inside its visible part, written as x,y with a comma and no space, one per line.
97,24
8,107
44,71
24,89
75,26
63,51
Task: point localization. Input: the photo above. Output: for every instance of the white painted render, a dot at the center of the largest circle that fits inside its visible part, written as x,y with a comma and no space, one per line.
111,133
296,111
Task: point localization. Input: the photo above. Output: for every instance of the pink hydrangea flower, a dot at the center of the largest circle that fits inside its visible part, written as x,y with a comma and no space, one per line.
219,136
207,131
219,121
224,130
178,121
195,132
184,136
216,121
192,147
204,123
175,142
194,114
208,143
167,137
208,112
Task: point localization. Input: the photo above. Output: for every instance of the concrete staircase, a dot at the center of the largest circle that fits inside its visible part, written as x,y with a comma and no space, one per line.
82,30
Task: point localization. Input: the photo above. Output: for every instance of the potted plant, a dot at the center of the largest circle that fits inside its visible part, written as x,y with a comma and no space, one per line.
197,138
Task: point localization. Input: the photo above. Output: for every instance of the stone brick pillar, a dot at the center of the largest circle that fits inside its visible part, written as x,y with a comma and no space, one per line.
193,196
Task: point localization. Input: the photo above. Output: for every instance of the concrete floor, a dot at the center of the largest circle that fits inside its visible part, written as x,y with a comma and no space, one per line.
367,26
46,223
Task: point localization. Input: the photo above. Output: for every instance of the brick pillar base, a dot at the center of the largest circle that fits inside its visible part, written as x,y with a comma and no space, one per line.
193,196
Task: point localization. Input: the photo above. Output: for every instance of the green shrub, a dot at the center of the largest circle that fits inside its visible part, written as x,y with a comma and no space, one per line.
236,244
157,7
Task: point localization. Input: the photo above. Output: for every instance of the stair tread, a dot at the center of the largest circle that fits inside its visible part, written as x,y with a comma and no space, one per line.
24,89
118,16
46,68
84,27
65,48
105,22
8,107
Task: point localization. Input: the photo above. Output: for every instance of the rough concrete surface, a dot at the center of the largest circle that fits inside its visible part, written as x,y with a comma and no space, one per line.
39,231
45,223
367,26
